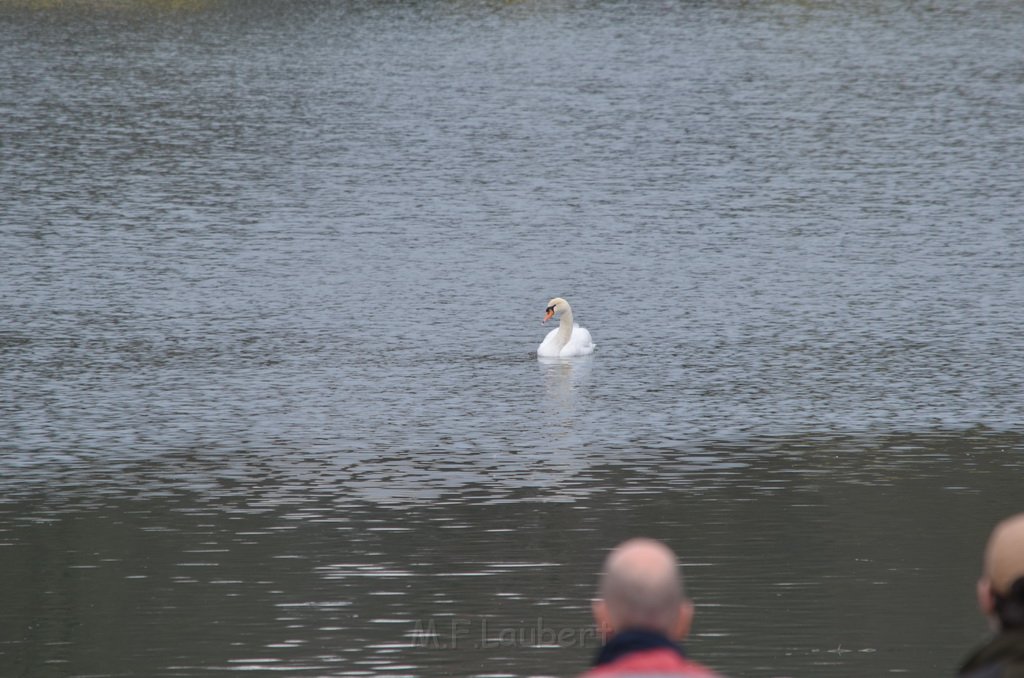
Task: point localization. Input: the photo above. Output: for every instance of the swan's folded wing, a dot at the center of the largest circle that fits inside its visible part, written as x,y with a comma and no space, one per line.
580,343
584,335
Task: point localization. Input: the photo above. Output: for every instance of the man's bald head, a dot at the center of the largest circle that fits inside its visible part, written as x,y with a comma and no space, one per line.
1001,586
1004,555
641,587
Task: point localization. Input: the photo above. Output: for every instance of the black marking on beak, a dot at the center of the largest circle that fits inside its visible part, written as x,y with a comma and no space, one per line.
549,309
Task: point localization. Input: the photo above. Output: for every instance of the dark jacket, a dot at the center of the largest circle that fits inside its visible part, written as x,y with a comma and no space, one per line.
639,653
1001,657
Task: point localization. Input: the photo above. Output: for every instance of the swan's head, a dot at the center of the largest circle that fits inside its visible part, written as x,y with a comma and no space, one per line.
558,305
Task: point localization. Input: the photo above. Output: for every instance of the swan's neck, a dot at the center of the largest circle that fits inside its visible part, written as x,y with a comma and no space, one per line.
564,328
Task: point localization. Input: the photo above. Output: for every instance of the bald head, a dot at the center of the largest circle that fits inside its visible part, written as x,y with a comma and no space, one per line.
641,587
1004,555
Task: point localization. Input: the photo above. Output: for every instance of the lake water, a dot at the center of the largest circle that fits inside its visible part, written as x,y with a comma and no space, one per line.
271,282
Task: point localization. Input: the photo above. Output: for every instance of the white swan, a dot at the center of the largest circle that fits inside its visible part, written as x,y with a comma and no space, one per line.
569,339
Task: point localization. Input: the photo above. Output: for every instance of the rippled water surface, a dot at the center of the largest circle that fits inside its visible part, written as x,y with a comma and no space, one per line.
271,277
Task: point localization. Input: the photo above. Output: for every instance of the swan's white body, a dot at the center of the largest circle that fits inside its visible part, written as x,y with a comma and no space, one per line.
569,340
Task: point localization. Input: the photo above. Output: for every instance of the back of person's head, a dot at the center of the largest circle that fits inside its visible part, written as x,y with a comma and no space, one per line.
642,588
1001,587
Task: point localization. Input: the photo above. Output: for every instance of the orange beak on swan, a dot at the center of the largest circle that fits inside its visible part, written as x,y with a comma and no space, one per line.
547,316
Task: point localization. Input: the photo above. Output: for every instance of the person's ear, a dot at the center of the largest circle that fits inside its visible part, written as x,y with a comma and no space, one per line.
602,618
986,601
684,622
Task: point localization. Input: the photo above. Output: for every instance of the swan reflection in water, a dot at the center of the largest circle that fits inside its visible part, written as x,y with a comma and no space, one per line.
562,378
565,427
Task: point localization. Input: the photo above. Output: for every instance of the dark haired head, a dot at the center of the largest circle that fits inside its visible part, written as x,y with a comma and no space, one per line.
1009,606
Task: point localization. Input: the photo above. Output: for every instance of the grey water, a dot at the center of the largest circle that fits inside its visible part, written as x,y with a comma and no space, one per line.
271,283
